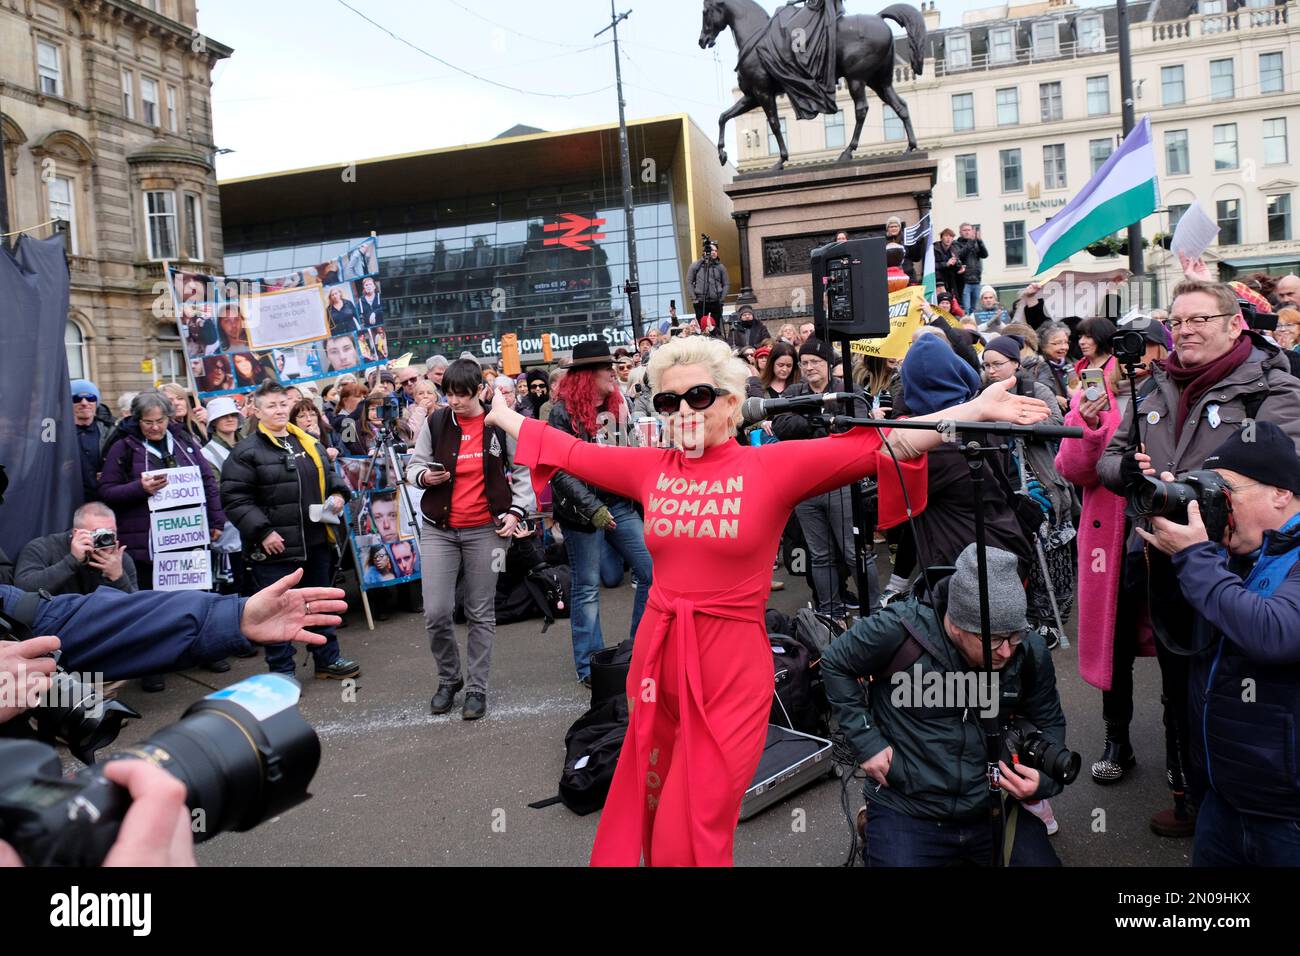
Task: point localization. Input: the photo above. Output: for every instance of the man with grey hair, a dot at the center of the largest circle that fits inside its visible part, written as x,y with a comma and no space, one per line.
68,562
434,369
918,735
1287,292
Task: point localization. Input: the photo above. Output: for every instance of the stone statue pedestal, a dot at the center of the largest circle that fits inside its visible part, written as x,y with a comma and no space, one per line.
781,216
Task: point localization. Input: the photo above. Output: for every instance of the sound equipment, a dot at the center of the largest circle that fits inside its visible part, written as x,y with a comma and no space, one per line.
850,289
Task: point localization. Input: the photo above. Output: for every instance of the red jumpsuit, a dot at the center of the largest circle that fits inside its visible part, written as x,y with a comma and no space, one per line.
701,681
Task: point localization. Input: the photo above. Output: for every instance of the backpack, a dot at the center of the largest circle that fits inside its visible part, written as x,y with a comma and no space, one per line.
591,749
550,587
800,701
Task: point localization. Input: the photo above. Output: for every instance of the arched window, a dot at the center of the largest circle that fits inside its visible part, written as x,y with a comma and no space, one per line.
74,343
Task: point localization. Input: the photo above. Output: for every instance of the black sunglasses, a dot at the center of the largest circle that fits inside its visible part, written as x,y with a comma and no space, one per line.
84,398
698,397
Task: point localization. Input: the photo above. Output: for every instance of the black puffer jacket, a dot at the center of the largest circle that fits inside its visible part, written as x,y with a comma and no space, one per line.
260,496
573,500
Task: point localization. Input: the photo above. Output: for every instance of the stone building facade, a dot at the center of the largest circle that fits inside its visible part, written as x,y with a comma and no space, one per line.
107,122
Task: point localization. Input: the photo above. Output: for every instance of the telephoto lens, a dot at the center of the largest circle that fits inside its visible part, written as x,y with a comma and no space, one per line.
244,753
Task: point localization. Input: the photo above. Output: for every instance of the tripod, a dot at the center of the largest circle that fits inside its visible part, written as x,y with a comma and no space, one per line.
385,450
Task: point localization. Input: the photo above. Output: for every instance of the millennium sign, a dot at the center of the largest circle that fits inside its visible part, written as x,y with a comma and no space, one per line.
1034,205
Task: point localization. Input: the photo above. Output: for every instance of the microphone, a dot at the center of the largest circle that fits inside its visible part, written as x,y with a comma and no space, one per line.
758,409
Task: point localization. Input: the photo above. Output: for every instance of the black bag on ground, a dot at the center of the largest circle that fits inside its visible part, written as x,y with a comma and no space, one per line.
552,588
778,623
798,703
591,749
609,670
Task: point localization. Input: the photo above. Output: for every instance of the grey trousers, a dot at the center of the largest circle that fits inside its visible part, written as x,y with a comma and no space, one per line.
827,524
442,552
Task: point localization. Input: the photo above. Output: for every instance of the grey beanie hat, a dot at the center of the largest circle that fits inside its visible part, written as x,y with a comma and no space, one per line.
1006,593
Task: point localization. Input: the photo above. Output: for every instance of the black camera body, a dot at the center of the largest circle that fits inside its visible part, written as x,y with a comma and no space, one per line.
103,538
1129,346
707,245
1024,744
1152,498
390,410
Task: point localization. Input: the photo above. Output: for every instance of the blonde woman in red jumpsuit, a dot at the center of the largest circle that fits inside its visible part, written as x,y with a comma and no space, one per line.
701,680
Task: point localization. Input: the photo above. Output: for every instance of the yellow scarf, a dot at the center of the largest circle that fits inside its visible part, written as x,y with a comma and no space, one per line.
309,446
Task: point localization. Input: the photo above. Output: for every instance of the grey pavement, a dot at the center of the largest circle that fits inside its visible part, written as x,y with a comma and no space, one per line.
397,786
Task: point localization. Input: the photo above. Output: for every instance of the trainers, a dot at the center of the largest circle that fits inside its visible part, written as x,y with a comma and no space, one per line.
778,585
1043,810
475,706
1051,635
445,697
341,669
890,595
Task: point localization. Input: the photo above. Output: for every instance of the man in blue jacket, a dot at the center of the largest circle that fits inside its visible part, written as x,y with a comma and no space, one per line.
1245,683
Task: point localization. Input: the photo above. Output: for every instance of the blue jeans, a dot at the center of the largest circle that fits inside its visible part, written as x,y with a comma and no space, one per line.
585,552
317,573
896,839
612,566
1226,837
970,296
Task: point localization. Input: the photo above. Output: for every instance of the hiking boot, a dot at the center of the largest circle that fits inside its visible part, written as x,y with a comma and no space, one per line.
475,706
341,669
445,697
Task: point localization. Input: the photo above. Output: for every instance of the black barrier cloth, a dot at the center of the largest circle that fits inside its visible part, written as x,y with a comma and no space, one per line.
38,443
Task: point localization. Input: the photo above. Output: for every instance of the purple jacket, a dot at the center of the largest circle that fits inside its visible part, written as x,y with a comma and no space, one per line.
121,489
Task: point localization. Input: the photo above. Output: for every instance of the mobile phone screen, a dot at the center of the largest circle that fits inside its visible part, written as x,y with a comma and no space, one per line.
1097,377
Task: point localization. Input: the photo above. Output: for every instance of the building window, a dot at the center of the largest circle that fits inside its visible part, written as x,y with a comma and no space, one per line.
63,208
893,125
193,227
1045,36
74,346
171,364
1098,95
772,148
1270,73
834,123
1099,151
1002,45
49,72
1228,212
1092,38
1275,149
1049,101
956,48
160,212
1209,8
1013,242
1054,166
1176,212
1012,170
1008,101
1222,86
173,123
1173,91
968,182
1177,158
1279,218
128,94
963,112
149,101
1225,146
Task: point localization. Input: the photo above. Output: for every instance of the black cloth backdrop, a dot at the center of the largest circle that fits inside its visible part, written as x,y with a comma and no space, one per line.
38,441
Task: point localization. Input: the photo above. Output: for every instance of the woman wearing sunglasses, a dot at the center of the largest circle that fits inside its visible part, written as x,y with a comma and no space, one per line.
701,673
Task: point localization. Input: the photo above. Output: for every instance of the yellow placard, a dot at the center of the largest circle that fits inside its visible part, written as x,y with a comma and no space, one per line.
908,311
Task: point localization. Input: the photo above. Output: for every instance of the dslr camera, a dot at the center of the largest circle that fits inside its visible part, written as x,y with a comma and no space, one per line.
1129,345
103,538
1024,743
1152,498
707,245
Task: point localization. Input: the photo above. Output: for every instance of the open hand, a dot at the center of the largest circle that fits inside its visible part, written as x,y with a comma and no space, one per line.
279,614
997,404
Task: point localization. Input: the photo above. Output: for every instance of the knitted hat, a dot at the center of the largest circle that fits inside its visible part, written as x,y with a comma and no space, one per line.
821,350
84,386
537,375
1008,345
1006,593
934,377
1269,459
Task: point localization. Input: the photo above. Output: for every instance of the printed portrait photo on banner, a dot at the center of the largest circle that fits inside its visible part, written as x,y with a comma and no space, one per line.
383,512
374,346
300,361
327,273
230,323
409,526
341,353
359,509
370,305
406,559
194,287
249,370
199,332
361,475
292,280
377,566
340,310
362,260
217,376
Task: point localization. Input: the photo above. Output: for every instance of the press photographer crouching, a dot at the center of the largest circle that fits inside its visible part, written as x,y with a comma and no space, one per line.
80,560
1245,680
927,788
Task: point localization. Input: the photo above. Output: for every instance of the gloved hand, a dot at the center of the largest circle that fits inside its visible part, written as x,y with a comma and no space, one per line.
602,519
1130,470
1036,491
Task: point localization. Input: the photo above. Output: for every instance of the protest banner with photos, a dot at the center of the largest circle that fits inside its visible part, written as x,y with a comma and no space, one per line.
184,487
183,571
312,323
380,528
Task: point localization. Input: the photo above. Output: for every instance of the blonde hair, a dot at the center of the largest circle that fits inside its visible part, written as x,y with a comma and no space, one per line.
727,371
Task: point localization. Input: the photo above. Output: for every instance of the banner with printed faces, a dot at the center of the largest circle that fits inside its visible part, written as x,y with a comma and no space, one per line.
381,528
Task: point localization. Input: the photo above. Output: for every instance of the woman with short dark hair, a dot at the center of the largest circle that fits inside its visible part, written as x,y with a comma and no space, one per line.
1095,336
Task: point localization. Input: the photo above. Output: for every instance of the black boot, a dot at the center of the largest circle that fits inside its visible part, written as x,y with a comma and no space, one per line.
1117,758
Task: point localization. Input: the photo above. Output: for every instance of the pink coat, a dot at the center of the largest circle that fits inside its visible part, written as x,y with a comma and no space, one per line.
1101,548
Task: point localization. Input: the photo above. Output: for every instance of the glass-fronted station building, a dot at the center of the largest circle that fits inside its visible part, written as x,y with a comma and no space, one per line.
524,233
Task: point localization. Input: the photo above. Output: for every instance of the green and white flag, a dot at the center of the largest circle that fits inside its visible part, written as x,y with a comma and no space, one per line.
1122,192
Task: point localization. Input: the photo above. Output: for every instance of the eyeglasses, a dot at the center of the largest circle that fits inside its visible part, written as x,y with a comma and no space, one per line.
76,399
1196,321
997,640
993,366
698,397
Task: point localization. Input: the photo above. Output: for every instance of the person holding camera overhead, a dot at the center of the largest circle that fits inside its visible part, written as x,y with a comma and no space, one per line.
1220,375
708,284
927,788
270,483
475,502
1246,614
80,560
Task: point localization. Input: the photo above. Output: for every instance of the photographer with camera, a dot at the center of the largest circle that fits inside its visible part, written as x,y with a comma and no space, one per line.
708,283
269,483
1246,623
744,331
927,786
1221,375
80,560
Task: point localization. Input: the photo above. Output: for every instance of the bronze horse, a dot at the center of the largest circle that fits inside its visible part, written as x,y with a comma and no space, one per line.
864,57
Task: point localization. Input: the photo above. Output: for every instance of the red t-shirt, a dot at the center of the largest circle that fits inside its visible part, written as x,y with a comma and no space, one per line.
469,508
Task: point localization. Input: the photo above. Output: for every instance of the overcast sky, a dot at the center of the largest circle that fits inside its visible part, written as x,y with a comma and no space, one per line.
312,83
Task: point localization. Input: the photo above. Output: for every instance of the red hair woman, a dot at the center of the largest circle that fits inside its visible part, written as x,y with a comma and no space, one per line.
700,684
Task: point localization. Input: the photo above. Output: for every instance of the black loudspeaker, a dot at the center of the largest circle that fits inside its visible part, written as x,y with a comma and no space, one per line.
850,289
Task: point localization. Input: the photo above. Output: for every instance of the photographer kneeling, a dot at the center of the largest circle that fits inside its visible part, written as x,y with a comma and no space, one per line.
927,785
1244,701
